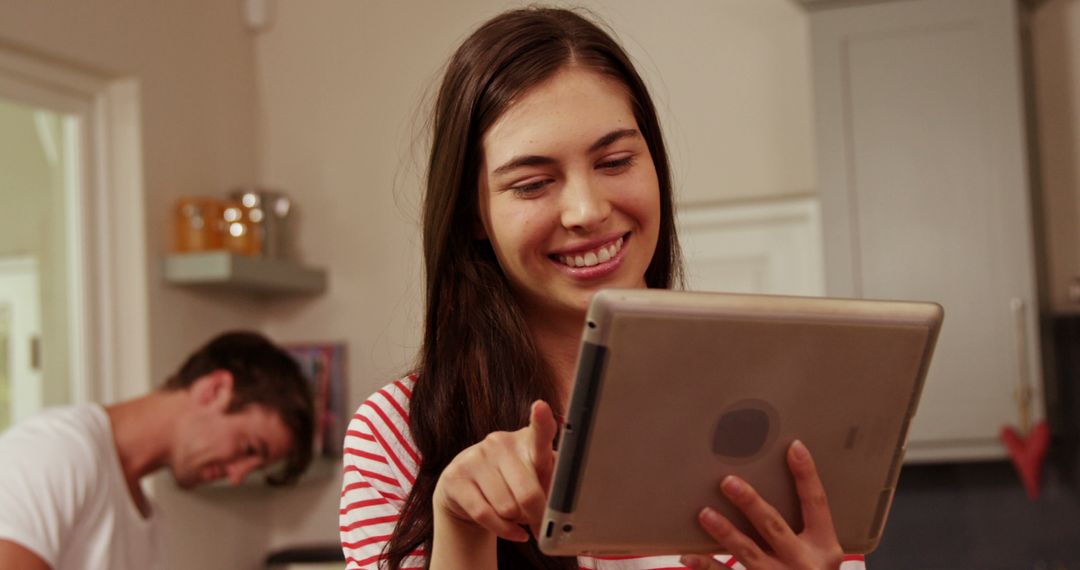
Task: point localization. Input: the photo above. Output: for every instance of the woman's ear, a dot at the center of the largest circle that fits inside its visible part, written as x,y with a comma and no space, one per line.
214,389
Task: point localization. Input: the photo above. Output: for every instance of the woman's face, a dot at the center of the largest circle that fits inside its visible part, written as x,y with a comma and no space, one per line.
569,196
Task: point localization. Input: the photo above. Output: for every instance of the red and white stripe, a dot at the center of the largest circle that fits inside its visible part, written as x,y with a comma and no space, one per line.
380,467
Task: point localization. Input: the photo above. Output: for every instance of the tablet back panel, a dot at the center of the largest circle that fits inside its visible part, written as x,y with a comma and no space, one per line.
676,390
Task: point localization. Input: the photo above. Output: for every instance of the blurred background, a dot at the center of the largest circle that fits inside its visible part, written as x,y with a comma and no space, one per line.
916,149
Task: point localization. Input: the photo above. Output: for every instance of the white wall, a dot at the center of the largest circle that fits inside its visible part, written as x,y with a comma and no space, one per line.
342,85
732,81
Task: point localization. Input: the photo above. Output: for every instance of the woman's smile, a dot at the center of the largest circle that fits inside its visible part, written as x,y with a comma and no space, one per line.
590,261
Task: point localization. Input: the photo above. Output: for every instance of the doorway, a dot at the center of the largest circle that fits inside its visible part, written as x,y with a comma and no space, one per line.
71,191
38,148
21,386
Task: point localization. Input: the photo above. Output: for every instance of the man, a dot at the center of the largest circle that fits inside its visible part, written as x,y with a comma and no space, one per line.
70,492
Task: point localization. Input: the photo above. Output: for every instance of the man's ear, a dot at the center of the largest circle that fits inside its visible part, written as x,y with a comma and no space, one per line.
213,389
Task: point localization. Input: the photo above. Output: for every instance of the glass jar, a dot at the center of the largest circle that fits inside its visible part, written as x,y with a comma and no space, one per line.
197,224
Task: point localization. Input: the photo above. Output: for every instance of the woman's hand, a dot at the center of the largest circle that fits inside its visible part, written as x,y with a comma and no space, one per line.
816,547
501,483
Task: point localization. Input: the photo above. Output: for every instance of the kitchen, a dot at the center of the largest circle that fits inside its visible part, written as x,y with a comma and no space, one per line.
324,100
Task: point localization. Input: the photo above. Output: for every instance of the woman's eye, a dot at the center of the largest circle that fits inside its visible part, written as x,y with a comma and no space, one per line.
617,164
530,188
249,449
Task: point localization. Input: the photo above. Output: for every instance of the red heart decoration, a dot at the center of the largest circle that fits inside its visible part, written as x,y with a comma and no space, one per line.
1027,453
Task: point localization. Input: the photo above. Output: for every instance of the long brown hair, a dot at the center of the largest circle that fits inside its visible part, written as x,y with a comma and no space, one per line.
479,368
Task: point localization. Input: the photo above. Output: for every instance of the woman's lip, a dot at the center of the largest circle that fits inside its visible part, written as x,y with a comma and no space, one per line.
599,270
593,245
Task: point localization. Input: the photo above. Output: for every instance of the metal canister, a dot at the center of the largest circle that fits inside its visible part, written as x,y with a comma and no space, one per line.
270,214
241,234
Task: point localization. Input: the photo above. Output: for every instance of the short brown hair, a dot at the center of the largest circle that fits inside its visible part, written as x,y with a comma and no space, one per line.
263,374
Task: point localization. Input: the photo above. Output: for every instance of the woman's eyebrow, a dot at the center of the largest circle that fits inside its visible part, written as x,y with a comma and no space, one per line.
612,137
538,160
520,161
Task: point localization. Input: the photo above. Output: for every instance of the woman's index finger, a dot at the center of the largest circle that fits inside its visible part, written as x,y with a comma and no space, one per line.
544,428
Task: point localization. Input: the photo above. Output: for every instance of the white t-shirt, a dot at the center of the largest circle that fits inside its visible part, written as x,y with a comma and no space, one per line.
63,494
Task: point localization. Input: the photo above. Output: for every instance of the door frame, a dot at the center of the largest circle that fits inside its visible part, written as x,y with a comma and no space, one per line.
106,243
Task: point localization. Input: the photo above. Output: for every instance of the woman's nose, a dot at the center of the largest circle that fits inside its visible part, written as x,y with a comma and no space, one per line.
584,206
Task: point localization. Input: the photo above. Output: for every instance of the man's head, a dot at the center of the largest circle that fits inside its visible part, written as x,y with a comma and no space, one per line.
251,406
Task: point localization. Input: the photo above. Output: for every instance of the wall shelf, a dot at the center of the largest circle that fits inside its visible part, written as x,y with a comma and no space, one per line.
227,270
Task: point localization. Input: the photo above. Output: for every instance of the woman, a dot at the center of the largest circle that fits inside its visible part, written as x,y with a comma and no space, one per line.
548,180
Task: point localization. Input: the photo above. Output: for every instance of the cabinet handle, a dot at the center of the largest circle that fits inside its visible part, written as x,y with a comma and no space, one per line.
1023,394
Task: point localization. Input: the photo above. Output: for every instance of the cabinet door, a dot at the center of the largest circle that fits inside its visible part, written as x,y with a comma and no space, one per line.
925,196
1055,70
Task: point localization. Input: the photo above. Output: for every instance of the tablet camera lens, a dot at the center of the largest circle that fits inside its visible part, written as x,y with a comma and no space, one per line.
567,527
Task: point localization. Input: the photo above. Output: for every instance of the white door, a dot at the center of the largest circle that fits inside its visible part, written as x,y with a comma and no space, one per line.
20,334
925,196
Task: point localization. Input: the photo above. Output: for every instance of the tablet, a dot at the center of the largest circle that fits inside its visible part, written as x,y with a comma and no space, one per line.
676,390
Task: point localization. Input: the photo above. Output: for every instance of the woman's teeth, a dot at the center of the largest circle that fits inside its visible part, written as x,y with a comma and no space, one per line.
594,257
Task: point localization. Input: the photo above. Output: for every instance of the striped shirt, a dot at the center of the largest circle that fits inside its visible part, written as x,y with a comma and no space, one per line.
380,467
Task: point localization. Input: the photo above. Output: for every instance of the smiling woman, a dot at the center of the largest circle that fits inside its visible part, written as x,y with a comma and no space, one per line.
546,148
575,204
548,181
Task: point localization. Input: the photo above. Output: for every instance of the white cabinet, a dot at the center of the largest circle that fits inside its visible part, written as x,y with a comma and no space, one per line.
771,246
925,195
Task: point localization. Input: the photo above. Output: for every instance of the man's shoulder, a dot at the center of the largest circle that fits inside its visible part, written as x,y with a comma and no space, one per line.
63,427
73,415
62,441
53,462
